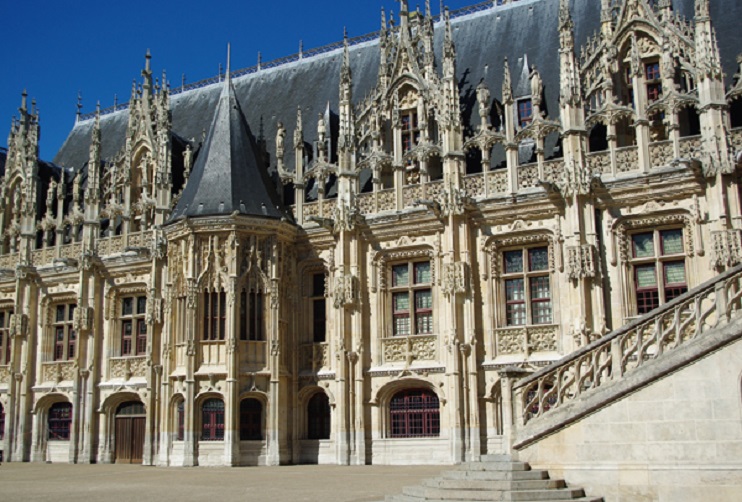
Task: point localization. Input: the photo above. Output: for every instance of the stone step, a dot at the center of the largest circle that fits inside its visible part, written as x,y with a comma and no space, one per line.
496,475
408,498
556,494
501,484
501,465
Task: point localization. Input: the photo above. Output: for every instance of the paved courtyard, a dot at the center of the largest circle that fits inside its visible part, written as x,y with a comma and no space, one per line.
92,483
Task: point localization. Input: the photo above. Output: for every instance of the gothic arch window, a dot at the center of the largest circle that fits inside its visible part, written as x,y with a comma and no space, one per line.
318,417
414,413
735,112
63,332
215,315
212,420
316,305
252,315
251,420
133,325
59,422
5,342
2,422
598,141
523,266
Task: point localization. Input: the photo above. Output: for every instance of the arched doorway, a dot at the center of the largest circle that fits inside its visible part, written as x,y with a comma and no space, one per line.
130,428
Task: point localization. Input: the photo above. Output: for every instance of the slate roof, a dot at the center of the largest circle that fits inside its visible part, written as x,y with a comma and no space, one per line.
228,175
526,32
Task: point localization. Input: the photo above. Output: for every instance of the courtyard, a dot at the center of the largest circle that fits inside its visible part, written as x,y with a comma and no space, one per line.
309,483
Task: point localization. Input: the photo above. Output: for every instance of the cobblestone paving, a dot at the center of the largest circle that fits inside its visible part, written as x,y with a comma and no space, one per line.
122,483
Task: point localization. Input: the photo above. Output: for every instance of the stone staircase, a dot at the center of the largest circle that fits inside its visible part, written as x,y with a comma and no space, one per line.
495,477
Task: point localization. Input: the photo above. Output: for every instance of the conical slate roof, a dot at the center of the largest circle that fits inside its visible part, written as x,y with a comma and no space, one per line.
228,175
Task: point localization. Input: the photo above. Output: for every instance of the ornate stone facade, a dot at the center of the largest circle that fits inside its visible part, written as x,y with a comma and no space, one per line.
464,216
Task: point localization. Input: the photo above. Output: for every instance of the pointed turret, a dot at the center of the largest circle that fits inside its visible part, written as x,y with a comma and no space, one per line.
228,176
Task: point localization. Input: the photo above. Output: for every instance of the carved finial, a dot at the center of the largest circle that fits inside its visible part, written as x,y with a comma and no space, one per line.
383,21
79,104
260,60
301,49
702,9
428,12
24,98
148,61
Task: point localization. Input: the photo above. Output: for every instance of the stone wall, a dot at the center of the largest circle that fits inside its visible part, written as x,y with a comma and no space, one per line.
679,439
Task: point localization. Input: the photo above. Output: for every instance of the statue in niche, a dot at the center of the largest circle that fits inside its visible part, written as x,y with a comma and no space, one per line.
280,140
483,97
537,86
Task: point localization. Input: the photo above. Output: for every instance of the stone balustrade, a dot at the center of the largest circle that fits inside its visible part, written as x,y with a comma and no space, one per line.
647,338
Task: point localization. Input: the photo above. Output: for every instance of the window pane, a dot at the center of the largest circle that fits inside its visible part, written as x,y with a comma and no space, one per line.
538,259
424,323
643,245
516,314
401,325
127,306
541,312
422,272
401,302
675,272
71,312
646,276
423,300
514,290
672,241
401,275
60,313
540,288
142,305
513,261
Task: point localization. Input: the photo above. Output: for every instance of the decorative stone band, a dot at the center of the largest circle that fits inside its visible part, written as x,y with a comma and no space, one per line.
711,305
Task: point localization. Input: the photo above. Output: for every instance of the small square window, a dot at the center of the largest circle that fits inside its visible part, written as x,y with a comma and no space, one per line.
672,241
538,259
400,275
142,305
643,245
127,306
513,262
422,272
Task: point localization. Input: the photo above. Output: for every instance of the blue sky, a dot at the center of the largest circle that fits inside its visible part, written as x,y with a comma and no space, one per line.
55,48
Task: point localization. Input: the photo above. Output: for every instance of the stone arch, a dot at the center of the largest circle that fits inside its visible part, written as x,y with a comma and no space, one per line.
381,396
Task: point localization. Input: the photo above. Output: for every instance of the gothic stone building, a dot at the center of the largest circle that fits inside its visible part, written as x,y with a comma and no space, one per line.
333,257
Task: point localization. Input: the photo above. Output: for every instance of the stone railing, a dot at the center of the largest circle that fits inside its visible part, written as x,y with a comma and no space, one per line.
9,260
311,209
125,368
527,176
434,189
71,251
314,356
524,340
365,203
386,200
627,159
498,181
410,194
111,245
554,170
663,330
419,348
690,147
140,239
58,371
599,162
661,153
43,256
474,185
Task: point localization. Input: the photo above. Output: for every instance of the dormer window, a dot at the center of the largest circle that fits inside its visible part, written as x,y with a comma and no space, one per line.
525,112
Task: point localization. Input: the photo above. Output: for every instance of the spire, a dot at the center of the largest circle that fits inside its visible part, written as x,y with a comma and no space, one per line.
24,99
229,176
228,76
428,11
702,10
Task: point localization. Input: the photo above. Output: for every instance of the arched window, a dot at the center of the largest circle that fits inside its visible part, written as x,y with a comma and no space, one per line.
251,420
318,417
2,422
180,420
414,413
59,422
212,420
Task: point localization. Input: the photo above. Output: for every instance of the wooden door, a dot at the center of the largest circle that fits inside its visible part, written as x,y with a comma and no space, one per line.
130,431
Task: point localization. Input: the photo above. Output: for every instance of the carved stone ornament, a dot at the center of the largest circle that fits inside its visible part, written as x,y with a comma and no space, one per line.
455,278
582,262
18,325
83,319
345,291
726,248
